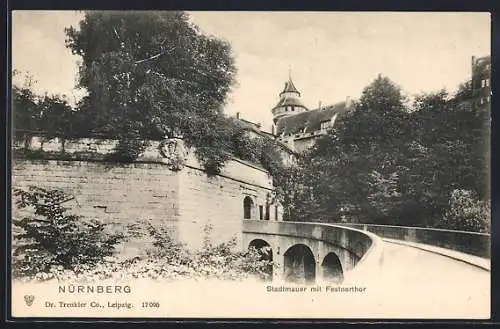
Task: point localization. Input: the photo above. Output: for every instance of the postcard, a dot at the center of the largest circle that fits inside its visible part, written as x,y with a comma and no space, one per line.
229,165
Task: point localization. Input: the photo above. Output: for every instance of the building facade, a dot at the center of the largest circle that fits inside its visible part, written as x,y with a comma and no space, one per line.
253,130
298,127
481,81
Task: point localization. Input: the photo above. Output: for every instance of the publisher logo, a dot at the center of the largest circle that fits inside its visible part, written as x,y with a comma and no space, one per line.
29,299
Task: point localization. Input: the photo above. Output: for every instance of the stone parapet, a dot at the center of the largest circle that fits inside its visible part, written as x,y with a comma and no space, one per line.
474,243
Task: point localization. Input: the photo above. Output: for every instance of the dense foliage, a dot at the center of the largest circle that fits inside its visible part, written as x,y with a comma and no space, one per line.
51,244
467,213
390,162
47,236
149,75
49,114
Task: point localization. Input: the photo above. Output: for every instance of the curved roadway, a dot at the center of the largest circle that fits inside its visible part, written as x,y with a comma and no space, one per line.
430,283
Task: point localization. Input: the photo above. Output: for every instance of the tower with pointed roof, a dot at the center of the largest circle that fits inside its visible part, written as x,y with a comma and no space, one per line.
289,103
298,127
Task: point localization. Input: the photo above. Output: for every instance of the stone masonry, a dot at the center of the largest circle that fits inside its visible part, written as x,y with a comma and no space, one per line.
180,197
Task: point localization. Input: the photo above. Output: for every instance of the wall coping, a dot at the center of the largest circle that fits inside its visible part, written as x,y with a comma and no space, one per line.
99,140
472,243
416,228
98,149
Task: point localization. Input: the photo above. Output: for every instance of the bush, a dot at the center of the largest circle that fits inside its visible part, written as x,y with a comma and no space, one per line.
50,237
467,213
51,244
217,261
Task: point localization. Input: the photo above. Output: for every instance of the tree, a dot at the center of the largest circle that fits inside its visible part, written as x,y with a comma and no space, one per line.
467,213
451,152
26,112
50,236
360,157
51,115
464,91
153,75
56,118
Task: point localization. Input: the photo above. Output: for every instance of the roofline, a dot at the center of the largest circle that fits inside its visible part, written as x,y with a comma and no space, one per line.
273,138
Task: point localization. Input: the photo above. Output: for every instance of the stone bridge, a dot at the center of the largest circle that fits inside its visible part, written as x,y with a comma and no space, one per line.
310,252
340,253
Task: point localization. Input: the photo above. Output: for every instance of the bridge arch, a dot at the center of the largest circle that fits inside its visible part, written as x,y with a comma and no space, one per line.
299,264
266,254
247,207
332,268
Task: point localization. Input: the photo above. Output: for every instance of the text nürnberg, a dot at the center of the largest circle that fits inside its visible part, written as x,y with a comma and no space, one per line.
99,289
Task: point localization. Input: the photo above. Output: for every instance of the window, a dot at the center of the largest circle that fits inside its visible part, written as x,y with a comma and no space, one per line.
487,82
483,83
247,207
293,108
261,212
482,100
275,212
267,212
324,125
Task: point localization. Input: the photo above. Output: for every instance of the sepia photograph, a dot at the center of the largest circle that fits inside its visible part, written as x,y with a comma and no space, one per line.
250,164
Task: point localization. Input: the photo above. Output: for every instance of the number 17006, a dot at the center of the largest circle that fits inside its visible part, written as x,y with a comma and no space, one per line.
150,304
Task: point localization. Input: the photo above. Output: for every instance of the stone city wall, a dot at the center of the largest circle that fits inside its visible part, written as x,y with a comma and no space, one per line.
156,188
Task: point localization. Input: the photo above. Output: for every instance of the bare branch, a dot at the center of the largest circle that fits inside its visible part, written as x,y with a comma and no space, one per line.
116,33
154,56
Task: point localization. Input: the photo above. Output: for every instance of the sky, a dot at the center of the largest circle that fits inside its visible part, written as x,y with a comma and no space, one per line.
331,55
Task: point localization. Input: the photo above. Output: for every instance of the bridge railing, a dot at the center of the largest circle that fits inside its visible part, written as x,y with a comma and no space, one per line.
474,243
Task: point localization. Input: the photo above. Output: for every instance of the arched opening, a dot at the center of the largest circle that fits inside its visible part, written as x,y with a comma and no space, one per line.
332,269
299,263
265,254
247,207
